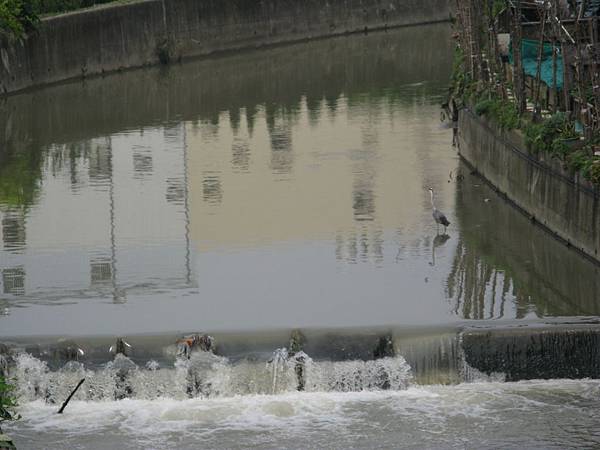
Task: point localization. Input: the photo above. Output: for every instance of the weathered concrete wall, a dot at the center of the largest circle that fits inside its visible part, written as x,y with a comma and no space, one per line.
565,204
140,33
526,354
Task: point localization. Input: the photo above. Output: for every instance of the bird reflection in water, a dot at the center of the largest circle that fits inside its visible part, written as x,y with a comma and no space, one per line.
438,241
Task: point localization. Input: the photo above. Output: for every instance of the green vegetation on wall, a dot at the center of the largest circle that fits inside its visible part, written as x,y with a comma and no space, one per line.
19,17
555,135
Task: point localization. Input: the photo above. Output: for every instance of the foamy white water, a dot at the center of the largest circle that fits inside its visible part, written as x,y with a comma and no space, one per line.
534,414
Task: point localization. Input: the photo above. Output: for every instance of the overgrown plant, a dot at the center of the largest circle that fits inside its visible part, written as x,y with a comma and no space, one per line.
504,112
554,135
17,17
8,402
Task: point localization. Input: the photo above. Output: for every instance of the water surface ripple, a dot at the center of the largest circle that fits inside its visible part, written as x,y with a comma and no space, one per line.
268,189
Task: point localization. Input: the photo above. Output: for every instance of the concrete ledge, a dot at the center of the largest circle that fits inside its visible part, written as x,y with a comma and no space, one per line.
444,355
147,32
561,202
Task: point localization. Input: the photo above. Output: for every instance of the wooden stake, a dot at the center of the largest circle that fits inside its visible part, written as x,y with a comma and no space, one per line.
64,405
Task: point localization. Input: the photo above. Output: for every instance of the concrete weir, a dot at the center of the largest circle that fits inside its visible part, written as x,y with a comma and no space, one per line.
563,203
147,32
434,356
524,354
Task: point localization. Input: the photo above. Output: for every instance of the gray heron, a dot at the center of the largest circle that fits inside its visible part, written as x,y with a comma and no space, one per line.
438,216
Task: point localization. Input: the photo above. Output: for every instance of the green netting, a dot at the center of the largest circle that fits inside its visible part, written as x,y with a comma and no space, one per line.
529,55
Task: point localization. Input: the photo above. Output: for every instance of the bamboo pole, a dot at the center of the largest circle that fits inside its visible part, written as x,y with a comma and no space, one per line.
538,72
518,77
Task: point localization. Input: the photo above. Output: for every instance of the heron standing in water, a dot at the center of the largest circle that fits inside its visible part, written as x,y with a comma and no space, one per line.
438,216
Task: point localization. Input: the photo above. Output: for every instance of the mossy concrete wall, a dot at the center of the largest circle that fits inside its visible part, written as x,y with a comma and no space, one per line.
146,32
564,203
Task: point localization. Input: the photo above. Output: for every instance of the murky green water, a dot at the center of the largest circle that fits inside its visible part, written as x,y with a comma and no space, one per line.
269,190
279,188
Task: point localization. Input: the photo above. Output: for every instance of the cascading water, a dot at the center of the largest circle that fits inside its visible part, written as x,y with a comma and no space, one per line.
206,375
177,399
278,366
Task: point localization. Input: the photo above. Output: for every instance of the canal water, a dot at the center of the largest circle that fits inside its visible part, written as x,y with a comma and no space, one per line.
263,191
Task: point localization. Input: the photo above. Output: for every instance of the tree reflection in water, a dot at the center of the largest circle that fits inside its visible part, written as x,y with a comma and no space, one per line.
505,266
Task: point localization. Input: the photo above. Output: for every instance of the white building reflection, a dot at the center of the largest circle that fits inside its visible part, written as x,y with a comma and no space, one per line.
112,219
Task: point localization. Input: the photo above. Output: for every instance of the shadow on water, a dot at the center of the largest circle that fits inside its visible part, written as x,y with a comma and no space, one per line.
503,262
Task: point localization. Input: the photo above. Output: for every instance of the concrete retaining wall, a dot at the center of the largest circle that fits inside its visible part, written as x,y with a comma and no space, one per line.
526,354
562,202
117,37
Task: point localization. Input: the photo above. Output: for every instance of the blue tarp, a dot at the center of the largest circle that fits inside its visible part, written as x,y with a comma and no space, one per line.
529,55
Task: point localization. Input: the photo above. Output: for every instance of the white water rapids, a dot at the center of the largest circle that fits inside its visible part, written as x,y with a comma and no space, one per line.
255,404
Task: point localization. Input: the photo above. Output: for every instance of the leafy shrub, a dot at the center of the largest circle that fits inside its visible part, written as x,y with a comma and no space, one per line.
553,135
533,137
593,173
507,115
17,17
484,107
504,112
7,401
579,160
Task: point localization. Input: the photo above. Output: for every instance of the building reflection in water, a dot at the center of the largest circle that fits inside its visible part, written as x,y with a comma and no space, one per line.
142,163
303,147
506,266
364,245
90,210
212,191
240,155
13,229
13,281
282,155
176,191
101,270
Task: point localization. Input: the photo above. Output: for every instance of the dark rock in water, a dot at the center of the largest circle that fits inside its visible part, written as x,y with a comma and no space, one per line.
296,346
123,368
120,348
297,341
6,359
527,354
3,366
385,347
199,366
299,369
